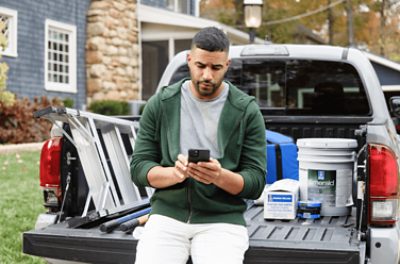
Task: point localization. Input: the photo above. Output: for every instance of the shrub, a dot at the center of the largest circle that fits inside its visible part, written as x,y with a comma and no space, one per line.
17,124
109,107
68,102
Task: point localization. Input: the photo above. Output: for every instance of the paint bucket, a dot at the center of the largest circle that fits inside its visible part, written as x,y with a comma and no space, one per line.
326,167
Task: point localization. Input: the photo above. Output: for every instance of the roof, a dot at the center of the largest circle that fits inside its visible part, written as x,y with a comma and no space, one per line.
388,64
170,20
383,61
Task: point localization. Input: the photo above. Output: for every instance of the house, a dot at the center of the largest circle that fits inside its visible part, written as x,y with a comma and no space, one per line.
46,47
91,50
165,33
388,74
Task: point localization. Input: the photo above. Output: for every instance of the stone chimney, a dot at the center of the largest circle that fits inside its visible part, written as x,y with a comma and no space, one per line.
112,50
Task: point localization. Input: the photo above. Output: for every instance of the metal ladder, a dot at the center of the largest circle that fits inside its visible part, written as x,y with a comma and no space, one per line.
103,155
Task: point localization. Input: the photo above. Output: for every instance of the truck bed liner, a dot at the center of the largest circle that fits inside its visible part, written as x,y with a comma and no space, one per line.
328,240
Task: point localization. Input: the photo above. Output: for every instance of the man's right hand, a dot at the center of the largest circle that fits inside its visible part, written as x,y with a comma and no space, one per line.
162,177
181,168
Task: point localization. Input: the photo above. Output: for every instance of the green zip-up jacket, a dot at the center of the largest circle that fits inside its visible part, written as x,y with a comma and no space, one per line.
241,139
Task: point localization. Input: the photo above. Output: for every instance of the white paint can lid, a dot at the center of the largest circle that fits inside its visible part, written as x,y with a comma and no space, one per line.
327,143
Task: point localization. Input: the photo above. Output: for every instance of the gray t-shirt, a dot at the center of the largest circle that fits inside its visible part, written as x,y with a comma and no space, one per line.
199,121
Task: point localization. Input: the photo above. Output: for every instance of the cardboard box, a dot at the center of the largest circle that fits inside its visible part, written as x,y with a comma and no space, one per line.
281,199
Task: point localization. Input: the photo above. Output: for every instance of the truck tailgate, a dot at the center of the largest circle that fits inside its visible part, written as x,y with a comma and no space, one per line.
328,240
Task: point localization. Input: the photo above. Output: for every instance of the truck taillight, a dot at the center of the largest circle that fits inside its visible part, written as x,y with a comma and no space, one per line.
50,171
383,190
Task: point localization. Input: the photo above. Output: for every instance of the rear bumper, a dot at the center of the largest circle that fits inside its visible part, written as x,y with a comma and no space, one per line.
384,245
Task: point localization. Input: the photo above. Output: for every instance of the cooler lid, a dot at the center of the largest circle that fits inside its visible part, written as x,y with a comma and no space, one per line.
277,138
335,143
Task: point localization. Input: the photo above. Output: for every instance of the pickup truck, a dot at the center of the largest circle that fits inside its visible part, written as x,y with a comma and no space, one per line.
283,79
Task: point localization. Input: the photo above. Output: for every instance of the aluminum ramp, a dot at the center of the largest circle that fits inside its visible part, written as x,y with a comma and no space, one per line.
104,156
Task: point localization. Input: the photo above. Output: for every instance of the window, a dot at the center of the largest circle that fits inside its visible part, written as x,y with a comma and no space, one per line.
179,6
154,64
9,18
60,57
297,87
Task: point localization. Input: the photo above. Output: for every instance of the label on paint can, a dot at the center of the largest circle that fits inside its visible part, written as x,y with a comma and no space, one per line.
331,187
321,186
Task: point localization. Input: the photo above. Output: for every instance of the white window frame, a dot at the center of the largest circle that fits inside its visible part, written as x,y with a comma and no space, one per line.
70,87
176,6
11,49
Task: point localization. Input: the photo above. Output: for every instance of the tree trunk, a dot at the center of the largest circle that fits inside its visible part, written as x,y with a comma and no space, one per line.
382,29
350,33
331,20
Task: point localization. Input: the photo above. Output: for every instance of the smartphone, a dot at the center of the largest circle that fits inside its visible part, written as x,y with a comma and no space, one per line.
196,155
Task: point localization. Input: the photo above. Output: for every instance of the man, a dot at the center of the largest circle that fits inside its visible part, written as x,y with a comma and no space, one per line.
197,208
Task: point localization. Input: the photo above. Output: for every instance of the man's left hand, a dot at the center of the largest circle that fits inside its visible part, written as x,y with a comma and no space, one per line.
205,172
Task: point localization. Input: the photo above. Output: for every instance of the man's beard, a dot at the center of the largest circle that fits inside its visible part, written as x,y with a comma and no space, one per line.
213,87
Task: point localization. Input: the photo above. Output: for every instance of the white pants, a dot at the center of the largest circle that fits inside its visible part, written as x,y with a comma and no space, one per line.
168,241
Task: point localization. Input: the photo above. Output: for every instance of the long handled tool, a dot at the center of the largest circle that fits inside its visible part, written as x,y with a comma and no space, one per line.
111,225
130,225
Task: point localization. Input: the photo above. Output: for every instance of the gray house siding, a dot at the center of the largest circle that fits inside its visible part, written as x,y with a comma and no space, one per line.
26,74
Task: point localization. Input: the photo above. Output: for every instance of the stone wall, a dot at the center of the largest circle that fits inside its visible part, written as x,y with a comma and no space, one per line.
112,47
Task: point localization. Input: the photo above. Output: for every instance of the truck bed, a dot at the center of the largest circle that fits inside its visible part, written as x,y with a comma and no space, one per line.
327,240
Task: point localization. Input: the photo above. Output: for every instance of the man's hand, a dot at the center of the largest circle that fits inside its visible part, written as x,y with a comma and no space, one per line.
162,177
212,173
205,172
181,169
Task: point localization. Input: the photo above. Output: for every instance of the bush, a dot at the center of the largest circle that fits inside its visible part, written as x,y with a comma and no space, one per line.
17,124
68,102
109,107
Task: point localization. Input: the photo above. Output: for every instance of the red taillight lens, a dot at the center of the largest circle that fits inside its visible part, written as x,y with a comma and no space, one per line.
383,190
383,171
50,163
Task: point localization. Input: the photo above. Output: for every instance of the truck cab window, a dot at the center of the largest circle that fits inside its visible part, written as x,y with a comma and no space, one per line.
298,87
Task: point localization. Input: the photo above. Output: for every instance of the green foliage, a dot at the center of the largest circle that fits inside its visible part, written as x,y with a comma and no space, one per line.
17,124
68,102
20,204
396,57
7,98
109,107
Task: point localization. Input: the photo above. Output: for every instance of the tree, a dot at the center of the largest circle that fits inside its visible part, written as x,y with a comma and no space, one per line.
374,23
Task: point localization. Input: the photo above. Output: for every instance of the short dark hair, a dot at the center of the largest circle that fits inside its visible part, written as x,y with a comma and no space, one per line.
211,39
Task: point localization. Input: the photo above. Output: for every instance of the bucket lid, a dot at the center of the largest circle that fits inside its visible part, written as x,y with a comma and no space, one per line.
337,143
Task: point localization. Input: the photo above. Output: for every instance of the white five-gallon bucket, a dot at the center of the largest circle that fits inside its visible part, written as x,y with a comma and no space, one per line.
326,167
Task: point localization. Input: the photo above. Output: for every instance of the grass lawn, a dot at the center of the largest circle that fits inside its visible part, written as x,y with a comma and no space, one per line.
20,203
